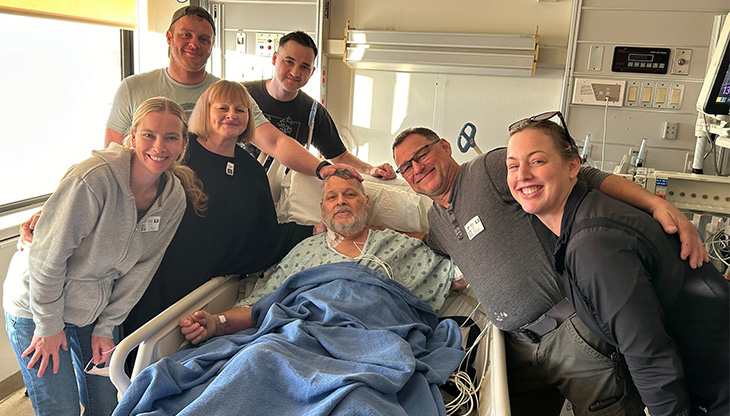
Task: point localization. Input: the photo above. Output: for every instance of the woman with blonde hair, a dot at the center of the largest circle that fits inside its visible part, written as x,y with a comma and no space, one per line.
97,244
239,232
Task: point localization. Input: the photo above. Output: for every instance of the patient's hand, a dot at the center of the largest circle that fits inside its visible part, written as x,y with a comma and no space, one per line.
198,326
459,284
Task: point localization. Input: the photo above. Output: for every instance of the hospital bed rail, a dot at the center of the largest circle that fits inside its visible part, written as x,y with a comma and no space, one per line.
161,336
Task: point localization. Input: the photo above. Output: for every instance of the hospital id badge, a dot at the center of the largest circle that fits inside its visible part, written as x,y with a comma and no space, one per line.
150,224
473,227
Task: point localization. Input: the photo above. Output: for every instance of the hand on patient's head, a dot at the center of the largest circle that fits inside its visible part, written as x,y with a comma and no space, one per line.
197,327
330,169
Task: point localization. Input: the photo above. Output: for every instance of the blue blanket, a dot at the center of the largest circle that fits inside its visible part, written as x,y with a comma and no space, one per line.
335,339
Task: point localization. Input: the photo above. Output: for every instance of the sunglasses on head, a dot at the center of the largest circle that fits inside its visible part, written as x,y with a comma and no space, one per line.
542,117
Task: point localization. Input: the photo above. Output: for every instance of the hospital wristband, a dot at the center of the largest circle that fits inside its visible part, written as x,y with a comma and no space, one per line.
319,168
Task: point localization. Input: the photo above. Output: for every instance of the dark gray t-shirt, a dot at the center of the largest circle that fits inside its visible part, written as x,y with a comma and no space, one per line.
508,259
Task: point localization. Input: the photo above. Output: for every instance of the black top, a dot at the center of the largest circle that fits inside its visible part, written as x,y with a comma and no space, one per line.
625,278
292,119
238,233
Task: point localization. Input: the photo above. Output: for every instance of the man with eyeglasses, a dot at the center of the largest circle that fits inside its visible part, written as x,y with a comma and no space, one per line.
507,257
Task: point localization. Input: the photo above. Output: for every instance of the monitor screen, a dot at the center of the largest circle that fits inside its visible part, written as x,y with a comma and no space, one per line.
714,97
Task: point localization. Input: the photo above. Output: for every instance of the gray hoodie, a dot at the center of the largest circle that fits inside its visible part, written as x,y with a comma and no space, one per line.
91,258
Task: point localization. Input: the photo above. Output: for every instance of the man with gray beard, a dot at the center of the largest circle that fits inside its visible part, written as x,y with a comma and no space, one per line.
344,209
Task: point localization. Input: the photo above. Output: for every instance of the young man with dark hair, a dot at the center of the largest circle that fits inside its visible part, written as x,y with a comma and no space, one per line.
288,108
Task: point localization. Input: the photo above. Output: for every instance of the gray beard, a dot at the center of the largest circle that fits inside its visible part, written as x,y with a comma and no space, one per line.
351,228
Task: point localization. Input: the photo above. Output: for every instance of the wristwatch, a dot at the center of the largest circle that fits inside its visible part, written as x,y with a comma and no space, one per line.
319,168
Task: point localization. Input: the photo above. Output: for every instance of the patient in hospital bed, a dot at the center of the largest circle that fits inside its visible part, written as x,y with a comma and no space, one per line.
332,330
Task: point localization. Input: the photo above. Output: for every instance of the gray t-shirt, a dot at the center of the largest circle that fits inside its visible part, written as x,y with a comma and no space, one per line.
504,253
134,90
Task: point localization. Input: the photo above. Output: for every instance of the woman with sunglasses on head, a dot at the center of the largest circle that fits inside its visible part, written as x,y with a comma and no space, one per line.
622,273
101,236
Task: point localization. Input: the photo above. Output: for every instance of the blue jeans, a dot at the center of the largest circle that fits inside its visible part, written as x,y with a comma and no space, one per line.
62,393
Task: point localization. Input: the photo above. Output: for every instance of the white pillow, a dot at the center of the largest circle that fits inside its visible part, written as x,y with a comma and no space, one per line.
392,203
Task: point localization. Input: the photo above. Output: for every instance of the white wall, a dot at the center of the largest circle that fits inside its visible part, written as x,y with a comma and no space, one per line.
444,102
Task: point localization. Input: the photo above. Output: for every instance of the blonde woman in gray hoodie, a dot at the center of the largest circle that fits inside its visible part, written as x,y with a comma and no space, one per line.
97,244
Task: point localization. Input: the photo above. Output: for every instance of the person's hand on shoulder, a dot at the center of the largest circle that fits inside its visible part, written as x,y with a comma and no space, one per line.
320,228
673,221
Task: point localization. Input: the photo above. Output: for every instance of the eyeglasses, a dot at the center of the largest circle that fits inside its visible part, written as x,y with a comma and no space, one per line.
405,168
519,124
192,11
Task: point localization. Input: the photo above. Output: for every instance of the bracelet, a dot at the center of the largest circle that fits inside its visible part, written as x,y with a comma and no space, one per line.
319,168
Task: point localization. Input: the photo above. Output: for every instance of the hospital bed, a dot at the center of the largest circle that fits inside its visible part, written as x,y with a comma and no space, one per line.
392,206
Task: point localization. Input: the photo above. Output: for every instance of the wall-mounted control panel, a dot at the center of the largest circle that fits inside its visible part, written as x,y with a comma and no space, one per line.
267,43
631,93
640,60
599,92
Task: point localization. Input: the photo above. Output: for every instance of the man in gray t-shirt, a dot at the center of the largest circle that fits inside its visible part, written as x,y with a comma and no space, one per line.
507,258
190,40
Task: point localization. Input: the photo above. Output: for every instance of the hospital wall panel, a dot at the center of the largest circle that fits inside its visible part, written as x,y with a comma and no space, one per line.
602,25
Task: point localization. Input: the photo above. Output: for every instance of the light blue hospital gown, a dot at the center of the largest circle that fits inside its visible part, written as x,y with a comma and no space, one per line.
412,264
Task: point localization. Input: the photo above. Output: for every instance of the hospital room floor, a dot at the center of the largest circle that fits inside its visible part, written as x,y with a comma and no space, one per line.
16,405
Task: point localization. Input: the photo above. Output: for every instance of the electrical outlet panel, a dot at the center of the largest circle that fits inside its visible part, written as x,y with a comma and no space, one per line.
240,42
598,92
669,130
267,43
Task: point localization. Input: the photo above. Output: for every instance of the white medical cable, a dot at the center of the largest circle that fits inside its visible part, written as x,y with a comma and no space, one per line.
718,247
603,141
468,392
374,258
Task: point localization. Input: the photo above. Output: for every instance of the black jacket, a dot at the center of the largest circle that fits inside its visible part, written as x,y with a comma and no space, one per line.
622,273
